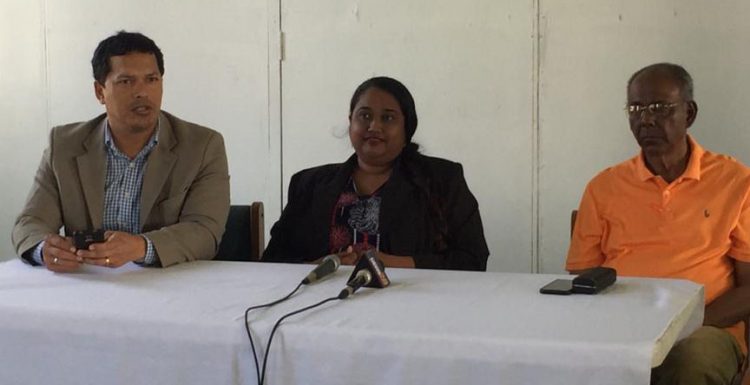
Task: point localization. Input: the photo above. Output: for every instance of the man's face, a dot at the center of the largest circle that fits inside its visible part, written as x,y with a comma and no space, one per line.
132,92
662,130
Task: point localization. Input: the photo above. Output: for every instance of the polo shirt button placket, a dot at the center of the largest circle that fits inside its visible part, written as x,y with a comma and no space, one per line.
666,197
663,210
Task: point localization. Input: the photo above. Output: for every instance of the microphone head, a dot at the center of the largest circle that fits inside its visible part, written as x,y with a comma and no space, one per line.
335,259
362,278
327,266
365,276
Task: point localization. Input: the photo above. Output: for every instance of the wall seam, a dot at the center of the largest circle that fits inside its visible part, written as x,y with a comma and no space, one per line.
274,109
535,139
280,63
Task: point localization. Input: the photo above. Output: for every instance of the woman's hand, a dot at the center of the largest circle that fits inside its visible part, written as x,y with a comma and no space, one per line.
396,260
348,256
351,256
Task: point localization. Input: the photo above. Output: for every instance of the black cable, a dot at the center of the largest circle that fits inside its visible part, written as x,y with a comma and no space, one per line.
276,326
250,336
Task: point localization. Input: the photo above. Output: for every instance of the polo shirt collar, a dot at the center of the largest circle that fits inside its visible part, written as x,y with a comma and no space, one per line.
693,170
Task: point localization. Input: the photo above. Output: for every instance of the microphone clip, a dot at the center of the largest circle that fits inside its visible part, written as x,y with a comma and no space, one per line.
370,261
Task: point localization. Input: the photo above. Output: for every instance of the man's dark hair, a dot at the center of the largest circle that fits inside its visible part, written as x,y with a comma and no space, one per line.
122,43
676,71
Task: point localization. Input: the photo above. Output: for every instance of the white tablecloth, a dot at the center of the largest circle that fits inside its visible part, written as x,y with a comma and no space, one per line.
184,325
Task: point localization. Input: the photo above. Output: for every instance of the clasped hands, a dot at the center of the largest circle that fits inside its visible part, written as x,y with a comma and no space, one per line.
351,255
119,248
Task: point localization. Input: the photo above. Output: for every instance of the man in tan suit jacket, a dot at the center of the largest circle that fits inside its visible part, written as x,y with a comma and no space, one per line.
158,185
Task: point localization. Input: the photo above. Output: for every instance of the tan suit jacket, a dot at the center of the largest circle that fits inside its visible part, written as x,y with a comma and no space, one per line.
184,198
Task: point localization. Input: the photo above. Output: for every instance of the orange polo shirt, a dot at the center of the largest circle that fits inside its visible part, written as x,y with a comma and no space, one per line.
692,228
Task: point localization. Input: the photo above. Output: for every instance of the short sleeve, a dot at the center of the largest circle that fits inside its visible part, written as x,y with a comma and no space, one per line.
585,249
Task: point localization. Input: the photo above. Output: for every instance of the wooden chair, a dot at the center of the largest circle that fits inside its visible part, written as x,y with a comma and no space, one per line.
243,238
742,377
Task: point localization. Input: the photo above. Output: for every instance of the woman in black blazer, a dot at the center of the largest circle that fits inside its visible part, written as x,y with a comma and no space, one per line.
416,210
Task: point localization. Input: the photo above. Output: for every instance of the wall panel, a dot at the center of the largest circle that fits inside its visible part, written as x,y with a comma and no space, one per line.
23,107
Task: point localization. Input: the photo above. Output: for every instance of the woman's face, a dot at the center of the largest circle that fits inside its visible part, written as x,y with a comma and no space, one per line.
376,128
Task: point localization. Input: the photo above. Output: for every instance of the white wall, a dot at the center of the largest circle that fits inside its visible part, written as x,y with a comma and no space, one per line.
532,117
23,107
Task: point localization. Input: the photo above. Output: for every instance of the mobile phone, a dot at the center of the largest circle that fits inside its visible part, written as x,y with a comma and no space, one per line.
83,239
558,286
594,280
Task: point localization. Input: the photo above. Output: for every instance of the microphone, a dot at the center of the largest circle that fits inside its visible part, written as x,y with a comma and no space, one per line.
362,278
325,268
369,261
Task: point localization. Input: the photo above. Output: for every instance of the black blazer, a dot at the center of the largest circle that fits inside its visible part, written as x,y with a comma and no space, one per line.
302,231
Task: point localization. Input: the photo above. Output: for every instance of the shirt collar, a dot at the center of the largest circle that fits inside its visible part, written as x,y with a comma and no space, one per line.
152,142
692,171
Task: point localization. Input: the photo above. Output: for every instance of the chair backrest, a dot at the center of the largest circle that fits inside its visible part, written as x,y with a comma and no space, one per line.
243,238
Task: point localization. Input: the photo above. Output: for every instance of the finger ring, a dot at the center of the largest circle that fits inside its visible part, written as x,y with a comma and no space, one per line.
55,260
106,261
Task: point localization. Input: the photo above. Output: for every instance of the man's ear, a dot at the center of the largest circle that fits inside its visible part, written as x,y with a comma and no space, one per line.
692,112
99,91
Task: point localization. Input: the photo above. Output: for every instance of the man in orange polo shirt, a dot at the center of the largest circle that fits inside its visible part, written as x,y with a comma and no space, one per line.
675,210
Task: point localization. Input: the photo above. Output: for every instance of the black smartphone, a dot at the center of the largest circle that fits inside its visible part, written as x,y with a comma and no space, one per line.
558,286
83,239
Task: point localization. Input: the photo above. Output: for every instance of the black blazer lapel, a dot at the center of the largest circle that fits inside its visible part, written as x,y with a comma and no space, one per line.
399,208
325,196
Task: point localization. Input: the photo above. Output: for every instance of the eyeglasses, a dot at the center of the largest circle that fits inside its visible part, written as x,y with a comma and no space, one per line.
659,110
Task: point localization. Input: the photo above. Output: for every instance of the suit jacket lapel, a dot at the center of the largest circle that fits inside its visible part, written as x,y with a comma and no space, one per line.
397,194
92,170
327,194
158,166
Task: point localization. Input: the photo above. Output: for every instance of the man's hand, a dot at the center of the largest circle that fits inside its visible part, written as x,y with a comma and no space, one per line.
118,249
59,254
734,305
